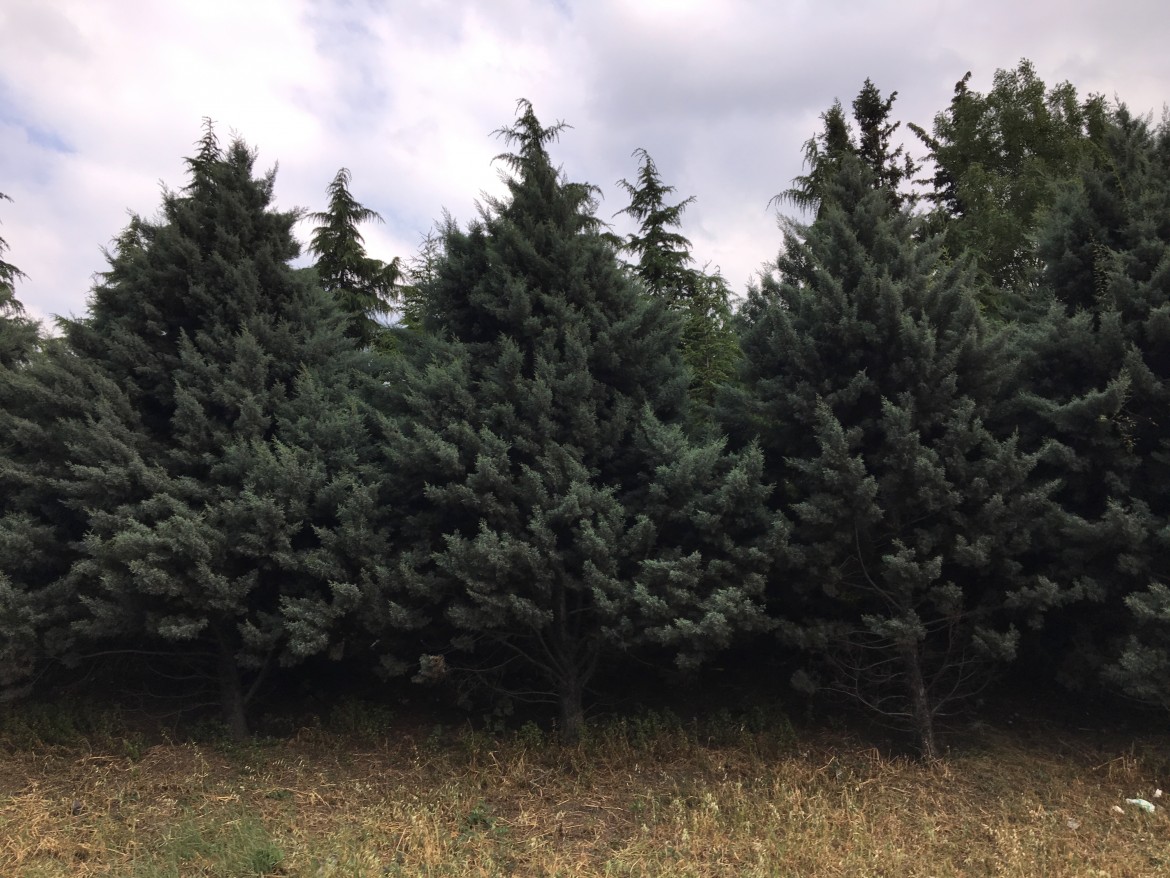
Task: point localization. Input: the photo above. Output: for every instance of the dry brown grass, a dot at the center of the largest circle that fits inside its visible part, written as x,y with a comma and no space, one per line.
326,806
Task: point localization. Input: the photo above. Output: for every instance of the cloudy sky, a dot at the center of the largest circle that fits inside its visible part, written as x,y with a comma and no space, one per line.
101,99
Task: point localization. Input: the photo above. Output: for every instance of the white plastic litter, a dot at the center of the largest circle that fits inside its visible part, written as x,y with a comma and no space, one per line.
1072,823
1117,809
1143,804
1157,794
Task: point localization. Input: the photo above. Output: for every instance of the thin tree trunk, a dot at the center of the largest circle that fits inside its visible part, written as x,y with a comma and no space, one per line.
570,695
231,693
920,704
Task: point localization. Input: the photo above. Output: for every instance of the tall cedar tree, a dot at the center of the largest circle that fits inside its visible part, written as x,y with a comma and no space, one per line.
664,267
1097,385
869,373
999,160
363,286
209,482
552,504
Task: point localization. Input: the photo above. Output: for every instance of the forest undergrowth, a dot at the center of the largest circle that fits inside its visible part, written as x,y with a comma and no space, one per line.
365,793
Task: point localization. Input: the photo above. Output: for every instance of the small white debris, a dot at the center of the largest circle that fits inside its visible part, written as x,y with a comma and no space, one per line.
1117,809
1148,807
1073,823
1157,794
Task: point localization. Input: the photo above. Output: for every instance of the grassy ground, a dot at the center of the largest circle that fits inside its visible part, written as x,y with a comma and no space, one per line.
368,798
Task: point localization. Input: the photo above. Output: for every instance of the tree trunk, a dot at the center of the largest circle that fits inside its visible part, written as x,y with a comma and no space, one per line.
570,694
923,716
231,694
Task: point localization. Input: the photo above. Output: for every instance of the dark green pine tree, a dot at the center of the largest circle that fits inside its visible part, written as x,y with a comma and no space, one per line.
891,166
364,287
868,378
664,266
536,440
1098,388
209,480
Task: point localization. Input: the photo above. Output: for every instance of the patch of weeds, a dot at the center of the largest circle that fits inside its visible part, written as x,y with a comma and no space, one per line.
69,723
475,742
366,720
644,733
731,729
530,736
723,729
232,848
207,730
480,821
434,741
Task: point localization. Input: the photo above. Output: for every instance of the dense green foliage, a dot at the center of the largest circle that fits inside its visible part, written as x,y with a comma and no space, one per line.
224,434
932,441
545,475
663,265
999,161
1098,385
868,378
826,153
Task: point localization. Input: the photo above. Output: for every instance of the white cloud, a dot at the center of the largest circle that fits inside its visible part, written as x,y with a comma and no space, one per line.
101,99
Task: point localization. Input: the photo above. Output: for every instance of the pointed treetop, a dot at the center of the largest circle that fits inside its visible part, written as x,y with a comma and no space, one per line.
822,158
9,274
530,135
363,286
208,152
662,254
872,113
534,172
344,209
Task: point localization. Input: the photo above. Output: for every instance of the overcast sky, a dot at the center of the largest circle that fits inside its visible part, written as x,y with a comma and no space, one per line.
100,100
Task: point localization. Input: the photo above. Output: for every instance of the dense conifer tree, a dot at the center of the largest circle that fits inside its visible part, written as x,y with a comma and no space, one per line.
209,477
890,166
868,377
1097,385
364,287
26,543
49,402
543,473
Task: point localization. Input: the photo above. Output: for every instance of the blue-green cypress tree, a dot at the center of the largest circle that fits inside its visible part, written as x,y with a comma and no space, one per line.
869,375
539,440
211,479
1098,386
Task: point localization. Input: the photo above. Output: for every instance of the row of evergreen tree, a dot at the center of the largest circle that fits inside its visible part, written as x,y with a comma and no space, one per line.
930,440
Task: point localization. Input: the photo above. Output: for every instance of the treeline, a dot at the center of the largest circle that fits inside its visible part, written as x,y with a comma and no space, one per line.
931,440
